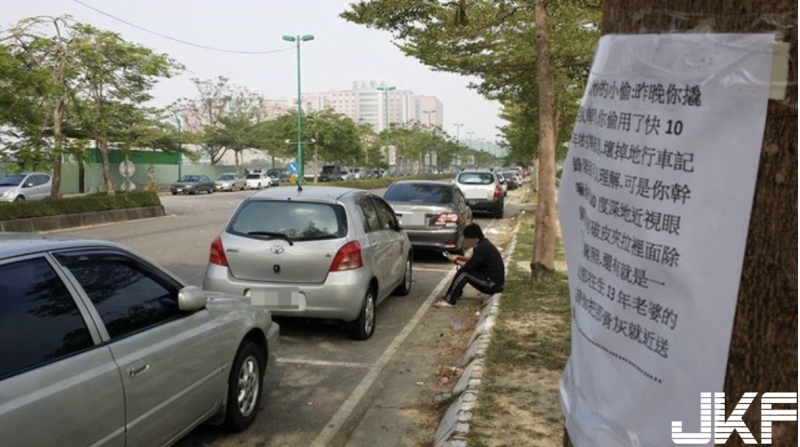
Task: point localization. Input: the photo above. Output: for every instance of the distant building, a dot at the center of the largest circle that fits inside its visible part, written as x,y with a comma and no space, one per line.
366,103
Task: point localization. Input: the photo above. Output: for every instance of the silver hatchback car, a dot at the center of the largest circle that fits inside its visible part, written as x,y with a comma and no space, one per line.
340,252
99,346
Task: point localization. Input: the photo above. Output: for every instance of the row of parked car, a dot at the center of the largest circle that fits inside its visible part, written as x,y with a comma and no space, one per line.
105,347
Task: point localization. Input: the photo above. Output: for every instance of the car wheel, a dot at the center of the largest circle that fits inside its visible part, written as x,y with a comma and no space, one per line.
405,287
245,386
174,193
363,327
498,213
20,198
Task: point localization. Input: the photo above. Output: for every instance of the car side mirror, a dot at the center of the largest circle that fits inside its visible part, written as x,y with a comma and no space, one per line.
191,298
28,185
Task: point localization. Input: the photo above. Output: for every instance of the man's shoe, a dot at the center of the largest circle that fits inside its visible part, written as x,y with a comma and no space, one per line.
443,305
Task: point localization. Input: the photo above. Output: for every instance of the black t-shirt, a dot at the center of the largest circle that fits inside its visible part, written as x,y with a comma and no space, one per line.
486,259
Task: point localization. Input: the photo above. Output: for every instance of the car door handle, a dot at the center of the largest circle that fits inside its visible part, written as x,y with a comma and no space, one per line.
138,370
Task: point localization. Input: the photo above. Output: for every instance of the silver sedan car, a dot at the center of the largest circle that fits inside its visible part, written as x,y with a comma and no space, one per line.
99,346
230,182
332,253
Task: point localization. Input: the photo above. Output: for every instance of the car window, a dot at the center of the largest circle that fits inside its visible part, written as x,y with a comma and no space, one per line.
369,216
128,295
189,178
419,192
227,177
254,176
476,178
297,220
12,180
459,197
39,320
385,213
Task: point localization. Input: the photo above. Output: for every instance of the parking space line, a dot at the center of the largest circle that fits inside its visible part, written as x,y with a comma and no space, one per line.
311,362
335,423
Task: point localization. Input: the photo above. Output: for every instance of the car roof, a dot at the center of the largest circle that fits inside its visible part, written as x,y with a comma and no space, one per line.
323,193
18,244
421,182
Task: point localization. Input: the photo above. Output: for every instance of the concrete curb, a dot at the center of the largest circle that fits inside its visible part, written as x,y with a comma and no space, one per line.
65,221
455,424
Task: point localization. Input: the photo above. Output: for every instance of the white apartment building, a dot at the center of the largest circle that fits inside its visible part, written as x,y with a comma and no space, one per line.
368,102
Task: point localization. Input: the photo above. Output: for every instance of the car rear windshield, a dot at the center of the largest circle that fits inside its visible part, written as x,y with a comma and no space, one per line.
12,180
189,179
419,192
300,221
328,169
227,177
253,176
509,174
476,178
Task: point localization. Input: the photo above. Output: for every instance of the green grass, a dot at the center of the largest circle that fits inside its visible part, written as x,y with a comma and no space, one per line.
78,204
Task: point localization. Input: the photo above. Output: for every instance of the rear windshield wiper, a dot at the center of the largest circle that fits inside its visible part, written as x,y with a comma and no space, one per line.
272,234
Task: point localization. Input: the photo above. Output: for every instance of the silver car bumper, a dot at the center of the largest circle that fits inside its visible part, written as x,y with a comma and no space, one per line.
340,297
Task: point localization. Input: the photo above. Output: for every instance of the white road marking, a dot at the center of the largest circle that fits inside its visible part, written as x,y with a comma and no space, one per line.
343,413
335,423
313,362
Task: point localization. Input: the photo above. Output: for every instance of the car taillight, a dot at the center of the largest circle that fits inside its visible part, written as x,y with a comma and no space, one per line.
217,255
498,191
347,258
447,218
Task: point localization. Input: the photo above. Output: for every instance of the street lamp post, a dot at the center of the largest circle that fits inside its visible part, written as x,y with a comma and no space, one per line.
458,131
386,89
300,171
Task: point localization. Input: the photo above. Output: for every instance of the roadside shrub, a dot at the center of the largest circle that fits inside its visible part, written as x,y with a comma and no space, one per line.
78,204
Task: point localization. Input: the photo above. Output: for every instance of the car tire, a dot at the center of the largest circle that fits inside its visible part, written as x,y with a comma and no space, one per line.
174,193
245,386
363,327
408,276
498,213
19,198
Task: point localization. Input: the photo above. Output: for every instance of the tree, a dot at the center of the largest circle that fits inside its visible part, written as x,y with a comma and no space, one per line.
543,259
39,83
206,111
115,78
765,325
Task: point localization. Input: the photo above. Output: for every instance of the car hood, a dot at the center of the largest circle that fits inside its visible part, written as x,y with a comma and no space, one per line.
3,189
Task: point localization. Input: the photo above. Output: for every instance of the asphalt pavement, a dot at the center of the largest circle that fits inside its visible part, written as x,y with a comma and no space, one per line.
321,376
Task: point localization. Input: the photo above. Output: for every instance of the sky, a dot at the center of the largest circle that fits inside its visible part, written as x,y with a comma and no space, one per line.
342,52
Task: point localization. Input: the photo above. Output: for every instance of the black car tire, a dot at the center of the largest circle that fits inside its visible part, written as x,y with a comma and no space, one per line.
408,277
174,193
358,328
19,198
498,213
249,357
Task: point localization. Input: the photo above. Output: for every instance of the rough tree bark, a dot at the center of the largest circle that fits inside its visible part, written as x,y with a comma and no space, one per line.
763,351
543,260
58,148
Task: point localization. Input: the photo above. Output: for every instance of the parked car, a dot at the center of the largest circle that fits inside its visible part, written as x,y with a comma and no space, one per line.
330,173
257,180
503,183
103,347
432,214
229,182
274,176
346,175
25,186
342,249
361,174
512,179
482,190
192,184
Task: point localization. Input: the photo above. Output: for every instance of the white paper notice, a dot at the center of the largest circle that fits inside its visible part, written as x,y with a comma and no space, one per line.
654,205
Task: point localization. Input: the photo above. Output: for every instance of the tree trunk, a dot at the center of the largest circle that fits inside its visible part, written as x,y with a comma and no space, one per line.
763,350
58,147
102,144
543,261
316,156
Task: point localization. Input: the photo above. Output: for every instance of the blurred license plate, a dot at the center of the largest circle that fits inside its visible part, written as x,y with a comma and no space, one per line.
472,202
180,190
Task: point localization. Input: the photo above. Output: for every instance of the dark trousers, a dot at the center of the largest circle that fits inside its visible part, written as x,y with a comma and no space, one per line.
476,279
